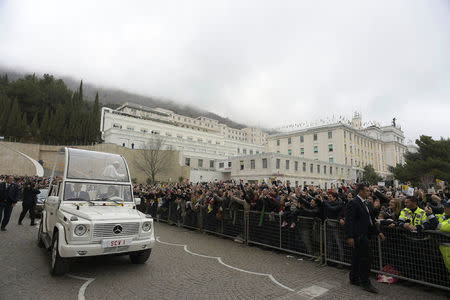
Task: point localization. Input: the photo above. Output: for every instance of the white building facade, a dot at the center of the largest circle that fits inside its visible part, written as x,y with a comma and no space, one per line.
349,145
320,155
201,141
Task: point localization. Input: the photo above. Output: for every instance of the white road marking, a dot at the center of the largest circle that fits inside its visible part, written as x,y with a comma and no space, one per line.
83,287
219,259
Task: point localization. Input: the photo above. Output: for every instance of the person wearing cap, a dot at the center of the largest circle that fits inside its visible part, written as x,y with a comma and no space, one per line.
444,218
413,218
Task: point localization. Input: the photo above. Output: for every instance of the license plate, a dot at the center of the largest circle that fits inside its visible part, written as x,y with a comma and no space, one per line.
116,243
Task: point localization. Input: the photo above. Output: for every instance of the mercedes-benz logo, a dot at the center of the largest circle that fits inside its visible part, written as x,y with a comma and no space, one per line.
117,229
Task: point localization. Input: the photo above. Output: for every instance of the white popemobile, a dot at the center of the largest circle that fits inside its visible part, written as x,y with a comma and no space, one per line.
91,211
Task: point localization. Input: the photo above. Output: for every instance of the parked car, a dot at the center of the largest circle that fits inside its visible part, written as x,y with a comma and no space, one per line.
91,211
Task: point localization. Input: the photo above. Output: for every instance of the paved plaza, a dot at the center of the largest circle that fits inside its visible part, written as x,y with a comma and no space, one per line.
183,265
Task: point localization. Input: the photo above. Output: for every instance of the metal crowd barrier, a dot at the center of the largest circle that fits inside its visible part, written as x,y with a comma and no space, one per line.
304,239
414,256
422,257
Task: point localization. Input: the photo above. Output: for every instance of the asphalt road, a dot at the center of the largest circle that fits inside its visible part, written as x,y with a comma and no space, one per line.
208,267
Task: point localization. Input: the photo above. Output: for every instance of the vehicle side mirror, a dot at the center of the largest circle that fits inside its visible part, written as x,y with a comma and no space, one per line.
53,200
137,201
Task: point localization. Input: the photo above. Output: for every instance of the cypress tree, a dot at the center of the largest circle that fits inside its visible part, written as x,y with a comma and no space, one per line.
14,121
34,127
45,126
24,126
95,123
5,108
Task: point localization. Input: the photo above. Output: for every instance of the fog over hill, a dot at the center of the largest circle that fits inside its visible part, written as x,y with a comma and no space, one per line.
114,97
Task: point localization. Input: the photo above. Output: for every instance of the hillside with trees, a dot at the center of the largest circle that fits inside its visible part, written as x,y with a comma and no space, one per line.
113,98
44,110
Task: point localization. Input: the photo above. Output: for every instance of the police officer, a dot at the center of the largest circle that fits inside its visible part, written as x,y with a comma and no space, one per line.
9,194
30,191
413,218
444,218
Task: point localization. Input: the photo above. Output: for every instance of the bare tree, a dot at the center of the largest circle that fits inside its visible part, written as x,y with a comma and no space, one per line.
152,158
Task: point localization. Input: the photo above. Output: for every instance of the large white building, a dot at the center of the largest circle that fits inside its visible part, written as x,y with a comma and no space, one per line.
213,151
347,144
200,140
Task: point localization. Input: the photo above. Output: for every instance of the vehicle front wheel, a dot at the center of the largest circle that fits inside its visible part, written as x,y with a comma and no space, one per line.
59,265
140,257
40,242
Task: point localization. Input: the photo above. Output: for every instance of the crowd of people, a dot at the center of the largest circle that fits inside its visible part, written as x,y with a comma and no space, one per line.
392,208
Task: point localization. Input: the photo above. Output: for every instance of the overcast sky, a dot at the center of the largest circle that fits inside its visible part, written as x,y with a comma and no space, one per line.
266,63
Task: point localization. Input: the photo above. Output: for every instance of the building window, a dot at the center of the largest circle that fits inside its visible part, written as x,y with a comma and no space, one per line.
351,149
304,167
187,161
330,134
229,164
311,168
244,151
252,164
278,142
316,149
346,161
296,166
331,160
345,147
331,170
350,136
289,141
278,163
200,163
302,139
345,134
264,163
211,164
289,151
330,148
287,164
318,169
315,136
241,163
342,171
251,152
278,152
221,165
324,169
239,150
302,151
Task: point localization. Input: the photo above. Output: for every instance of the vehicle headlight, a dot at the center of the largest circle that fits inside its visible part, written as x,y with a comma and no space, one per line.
146,226
80,229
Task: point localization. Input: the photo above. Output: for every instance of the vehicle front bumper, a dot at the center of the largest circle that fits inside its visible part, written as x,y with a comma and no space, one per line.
77,250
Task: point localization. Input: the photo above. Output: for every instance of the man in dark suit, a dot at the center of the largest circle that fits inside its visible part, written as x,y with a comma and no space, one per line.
9,195
76,194
29,201
359,227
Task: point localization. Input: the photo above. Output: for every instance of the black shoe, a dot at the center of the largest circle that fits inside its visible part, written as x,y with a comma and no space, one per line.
370,288
354,282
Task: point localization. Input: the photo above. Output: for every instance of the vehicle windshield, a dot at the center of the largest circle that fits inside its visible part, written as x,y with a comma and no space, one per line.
80,191
93,165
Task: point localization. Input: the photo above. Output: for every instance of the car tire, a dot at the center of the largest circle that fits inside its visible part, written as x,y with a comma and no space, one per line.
40,242
140,257
58,265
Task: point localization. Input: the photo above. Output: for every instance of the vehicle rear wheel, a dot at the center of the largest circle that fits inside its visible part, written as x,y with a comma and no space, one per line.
58,265
40,241
140,257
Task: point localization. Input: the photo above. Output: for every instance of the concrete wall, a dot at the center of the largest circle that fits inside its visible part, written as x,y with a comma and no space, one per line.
13,163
